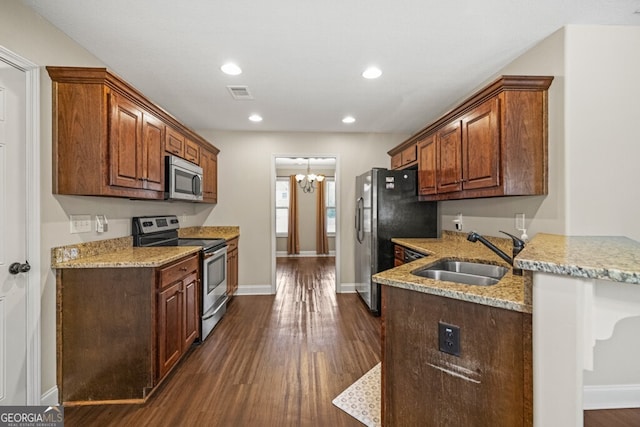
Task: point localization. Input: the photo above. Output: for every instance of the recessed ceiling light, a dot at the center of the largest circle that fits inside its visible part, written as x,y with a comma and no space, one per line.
255,118
348,119
231,69
372,73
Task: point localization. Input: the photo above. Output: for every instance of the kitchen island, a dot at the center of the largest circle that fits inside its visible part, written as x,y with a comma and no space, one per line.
455,354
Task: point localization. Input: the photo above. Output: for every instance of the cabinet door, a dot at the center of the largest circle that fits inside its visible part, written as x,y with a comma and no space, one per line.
409,155
209,163
449,165
152,166
125,124
396,161
192,152
427,164
170,326
481,146
191,312
174,142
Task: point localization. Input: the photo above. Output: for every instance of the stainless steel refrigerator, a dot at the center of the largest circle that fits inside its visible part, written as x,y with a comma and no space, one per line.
387,206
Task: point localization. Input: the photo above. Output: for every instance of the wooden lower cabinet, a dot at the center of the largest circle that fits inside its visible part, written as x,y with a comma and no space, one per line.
232,266
398,255
121,330
488,384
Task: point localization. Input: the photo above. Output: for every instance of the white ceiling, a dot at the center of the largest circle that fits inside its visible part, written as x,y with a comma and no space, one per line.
302,60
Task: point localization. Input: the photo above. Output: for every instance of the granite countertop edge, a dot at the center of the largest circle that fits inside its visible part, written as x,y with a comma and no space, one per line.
120,253
613,258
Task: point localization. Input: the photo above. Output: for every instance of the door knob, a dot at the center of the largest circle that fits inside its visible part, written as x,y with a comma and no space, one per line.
16,267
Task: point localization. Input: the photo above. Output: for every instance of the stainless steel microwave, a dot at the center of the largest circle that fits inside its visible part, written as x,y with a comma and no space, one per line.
183,180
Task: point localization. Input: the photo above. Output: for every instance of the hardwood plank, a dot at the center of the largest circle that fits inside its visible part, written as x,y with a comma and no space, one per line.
272,361
612,417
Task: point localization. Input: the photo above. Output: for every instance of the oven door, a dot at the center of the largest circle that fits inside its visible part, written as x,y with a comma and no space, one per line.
214,279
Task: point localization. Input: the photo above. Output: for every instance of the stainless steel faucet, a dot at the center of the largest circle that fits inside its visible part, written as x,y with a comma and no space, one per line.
518,246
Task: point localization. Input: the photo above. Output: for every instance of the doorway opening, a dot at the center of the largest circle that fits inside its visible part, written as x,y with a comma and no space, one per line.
295,200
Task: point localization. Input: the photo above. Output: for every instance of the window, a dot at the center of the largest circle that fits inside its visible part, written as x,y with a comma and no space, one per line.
282,206
331,205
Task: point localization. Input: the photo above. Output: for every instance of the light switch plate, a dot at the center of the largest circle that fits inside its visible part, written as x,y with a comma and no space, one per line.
79,223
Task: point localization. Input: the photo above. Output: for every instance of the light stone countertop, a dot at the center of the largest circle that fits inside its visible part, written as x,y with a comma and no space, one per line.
226,232
596,257
131,257
511,292
120,252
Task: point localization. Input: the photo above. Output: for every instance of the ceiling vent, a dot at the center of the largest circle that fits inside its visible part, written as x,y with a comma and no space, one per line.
240,92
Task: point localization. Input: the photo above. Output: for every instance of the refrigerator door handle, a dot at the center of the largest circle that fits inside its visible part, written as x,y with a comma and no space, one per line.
359,219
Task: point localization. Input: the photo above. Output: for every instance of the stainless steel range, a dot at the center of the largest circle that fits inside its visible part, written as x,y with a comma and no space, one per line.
163,231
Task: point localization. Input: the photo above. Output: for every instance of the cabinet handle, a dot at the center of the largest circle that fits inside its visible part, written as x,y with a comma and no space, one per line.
183,268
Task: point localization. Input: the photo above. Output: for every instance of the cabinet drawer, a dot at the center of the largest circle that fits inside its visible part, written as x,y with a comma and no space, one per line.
179,270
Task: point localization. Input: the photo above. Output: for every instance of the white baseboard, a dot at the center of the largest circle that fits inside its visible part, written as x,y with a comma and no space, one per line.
254,290
50,397
611,396
284,254
347,288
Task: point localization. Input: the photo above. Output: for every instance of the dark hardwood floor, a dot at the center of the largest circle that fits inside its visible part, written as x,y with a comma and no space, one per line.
612,418
272,361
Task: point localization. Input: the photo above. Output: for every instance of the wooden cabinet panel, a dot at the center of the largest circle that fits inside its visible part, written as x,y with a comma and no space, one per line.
152,153
124,131
191,310
427,166
192,152
174,142
232,267
209,164
170,325
481,146
396,161
488,384
449,162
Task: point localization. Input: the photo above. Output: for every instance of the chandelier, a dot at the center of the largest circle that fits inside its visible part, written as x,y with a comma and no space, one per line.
307,182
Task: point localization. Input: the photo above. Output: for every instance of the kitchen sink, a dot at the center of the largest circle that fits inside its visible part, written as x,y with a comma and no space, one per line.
470,273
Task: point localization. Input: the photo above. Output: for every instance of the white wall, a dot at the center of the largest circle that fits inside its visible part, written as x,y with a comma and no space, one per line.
244,187
603,132
602,168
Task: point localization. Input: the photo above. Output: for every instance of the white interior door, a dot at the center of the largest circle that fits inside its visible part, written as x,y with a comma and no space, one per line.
13,301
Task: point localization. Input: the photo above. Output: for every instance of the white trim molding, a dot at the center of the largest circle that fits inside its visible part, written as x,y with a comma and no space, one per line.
611,396
32,175
254,290
284,254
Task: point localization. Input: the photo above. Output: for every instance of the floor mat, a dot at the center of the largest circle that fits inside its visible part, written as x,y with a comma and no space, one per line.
361,399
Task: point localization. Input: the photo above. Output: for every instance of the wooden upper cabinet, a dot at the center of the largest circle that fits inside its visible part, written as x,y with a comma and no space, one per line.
405,158
209,164
110,140
448,158
427,166
174,142
481,146
493,144
135,146
192,152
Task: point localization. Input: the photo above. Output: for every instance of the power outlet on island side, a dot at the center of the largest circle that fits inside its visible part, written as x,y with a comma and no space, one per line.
449,338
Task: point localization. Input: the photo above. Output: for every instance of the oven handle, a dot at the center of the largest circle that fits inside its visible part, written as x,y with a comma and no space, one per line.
226,298
210,254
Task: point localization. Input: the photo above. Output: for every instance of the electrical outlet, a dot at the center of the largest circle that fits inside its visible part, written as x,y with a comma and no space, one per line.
449,338
458,222
79,223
